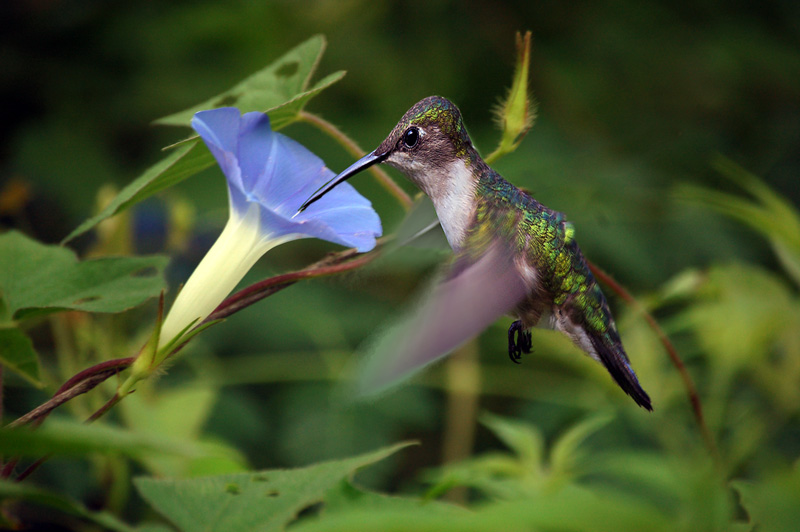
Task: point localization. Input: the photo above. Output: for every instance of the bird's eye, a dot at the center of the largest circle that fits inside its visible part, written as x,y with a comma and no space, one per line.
411,137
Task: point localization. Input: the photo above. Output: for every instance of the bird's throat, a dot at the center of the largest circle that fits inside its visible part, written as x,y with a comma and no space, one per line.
453,197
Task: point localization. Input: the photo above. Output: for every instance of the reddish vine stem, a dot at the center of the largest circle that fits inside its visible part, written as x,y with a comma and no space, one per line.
89,378
105,408
331,265
33,467
118,364
77,385
691,390
8,468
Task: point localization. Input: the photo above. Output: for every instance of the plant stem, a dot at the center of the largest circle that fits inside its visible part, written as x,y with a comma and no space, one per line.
77,385
463,395
116,398
87,379
33,467
355,150
330,265
691,390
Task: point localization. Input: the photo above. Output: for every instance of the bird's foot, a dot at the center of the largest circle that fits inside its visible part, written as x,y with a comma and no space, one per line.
519,341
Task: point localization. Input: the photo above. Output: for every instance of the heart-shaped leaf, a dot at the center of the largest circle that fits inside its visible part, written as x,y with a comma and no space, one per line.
263,501
36,278
17,354
281,89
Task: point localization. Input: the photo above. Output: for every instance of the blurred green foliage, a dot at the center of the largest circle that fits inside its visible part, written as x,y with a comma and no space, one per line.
636,101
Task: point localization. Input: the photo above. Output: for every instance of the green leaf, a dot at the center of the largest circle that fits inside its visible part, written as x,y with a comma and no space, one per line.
772,504
349,500
26,492
182,411
509,477
346,496
771,215
685,485
569,509
37,278
282,88
154,527
18,355
265,500
185,161
739,312
522,438
566,454
499,475
282,115
646,471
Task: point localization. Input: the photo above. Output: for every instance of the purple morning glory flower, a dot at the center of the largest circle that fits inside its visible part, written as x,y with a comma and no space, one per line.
275,172
269,176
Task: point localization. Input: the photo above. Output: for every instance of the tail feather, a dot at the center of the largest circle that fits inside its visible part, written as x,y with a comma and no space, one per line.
616,362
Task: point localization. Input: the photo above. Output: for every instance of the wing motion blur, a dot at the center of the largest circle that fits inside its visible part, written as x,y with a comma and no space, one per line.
470,297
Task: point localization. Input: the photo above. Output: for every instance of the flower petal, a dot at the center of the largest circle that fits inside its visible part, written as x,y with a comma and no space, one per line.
350,226
276,172
219,128
291,170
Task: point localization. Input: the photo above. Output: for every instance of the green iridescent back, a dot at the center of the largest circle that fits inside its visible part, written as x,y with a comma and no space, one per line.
542,235
547,240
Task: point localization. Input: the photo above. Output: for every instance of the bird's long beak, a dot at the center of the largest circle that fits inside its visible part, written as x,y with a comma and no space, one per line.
361,164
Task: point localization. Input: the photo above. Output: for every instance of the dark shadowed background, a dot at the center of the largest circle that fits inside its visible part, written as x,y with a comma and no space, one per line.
634,100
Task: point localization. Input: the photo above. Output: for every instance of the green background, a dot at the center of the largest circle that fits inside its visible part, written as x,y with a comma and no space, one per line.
635,100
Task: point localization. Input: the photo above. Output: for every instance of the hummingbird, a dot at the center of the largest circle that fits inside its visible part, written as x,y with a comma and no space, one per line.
511,255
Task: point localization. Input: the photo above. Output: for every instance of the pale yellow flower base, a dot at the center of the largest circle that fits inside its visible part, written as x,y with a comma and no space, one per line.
236,250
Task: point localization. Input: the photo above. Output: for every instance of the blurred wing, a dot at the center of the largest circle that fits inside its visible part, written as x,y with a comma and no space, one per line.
420,228
470,298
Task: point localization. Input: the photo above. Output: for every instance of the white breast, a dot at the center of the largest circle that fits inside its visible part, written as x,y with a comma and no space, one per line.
453,198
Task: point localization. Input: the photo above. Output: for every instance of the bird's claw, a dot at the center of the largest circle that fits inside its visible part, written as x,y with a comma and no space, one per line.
519,341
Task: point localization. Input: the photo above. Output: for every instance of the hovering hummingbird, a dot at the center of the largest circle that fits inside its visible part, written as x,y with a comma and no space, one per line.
512,255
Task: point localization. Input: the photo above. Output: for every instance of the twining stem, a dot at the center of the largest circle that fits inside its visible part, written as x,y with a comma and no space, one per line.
691,390
90,377
116,398
75,386
331,265
33,467
355,150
